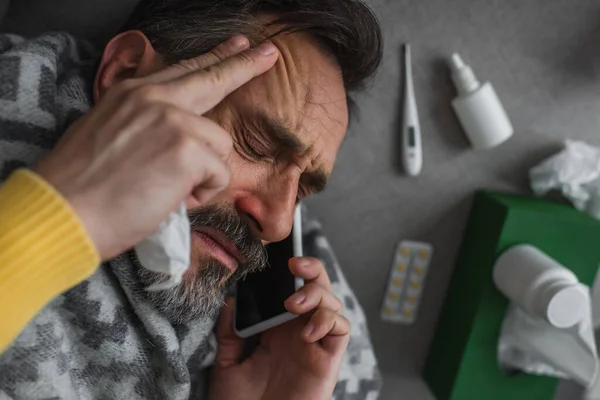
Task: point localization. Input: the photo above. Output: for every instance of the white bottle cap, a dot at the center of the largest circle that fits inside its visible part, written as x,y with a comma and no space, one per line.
564,304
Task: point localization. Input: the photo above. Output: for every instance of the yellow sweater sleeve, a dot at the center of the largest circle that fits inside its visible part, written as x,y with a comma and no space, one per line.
44,250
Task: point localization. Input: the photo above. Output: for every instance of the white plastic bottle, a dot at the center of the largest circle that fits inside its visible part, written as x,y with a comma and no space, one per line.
478,108
541,286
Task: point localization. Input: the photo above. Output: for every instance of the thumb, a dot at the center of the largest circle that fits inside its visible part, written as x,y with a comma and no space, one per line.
230,346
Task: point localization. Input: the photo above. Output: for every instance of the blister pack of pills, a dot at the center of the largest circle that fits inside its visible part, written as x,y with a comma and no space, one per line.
405,285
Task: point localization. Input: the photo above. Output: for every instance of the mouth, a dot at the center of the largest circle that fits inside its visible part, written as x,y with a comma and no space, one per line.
219,246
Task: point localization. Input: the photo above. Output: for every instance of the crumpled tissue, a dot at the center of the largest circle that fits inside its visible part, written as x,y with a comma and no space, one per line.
167,250
575,171
532,345
549,326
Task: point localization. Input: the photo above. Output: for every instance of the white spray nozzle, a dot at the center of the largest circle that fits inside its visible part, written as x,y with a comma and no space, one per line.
456,62
462,75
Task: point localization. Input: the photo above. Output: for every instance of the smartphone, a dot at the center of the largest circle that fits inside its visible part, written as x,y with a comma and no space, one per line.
260,296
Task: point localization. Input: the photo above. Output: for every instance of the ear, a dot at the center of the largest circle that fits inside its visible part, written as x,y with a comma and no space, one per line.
128,55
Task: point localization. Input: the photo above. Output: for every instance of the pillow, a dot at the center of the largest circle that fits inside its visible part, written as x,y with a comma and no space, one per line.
3,6
94,20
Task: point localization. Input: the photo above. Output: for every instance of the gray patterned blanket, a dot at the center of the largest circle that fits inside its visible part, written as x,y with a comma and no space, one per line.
101,339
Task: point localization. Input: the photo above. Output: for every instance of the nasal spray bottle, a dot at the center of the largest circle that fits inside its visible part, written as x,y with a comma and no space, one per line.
478,108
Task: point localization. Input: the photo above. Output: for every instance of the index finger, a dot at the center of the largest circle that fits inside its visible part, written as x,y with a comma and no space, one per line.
199,91
223,51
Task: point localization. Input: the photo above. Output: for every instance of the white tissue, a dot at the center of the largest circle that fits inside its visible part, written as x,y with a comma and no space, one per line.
168,249
532,345
575,172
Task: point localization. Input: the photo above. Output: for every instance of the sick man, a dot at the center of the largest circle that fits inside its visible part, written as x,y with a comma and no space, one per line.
235,107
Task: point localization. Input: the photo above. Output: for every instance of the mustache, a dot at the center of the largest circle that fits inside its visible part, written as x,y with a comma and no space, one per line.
237,230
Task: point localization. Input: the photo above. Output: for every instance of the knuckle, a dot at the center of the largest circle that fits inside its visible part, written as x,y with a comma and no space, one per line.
246,58
189,65
213,56
217,170
197,63
192,155
312,289
322,314
169,115
216,75
182,146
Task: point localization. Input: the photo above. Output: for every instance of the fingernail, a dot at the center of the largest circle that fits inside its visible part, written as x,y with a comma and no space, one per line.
298,298
237,42
308,329
265,48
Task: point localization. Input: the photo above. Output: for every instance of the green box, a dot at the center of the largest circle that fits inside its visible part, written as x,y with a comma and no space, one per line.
462,363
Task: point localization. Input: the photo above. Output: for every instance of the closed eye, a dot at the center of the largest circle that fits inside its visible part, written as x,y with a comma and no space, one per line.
249,146
263,138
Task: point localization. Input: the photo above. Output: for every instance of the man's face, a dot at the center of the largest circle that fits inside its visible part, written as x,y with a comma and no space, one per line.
287,127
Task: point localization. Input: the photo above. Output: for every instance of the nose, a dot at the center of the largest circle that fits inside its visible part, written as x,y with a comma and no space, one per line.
270,209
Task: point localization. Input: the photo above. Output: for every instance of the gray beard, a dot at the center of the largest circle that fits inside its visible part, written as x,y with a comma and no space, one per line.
201,297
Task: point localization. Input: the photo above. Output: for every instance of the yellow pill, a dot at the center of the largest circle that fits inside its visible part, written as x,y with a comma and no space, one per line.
419,270
404,251
398,282
401,267
415,285
389,310
394,296
408,313
423,254
411,299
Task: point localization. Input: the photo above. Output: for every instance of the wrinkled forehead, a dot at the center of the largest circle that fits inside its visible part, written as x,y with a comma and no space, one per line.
304,89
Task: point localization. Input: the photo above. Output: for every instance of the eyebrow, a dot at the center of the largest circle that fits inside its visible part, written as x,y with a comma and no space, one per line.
283,137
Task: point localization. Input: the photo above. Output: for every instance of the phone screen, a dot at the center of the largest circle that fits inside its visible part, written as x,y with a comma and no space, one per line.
261,295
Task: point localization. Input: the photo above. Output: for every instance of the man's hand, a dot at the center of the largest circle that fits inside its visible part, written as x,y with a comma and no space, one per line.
145,146
300,359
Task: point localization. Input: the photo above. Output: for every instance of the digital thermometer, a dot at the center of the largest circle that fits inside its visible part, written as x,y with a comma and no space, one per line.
412,152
